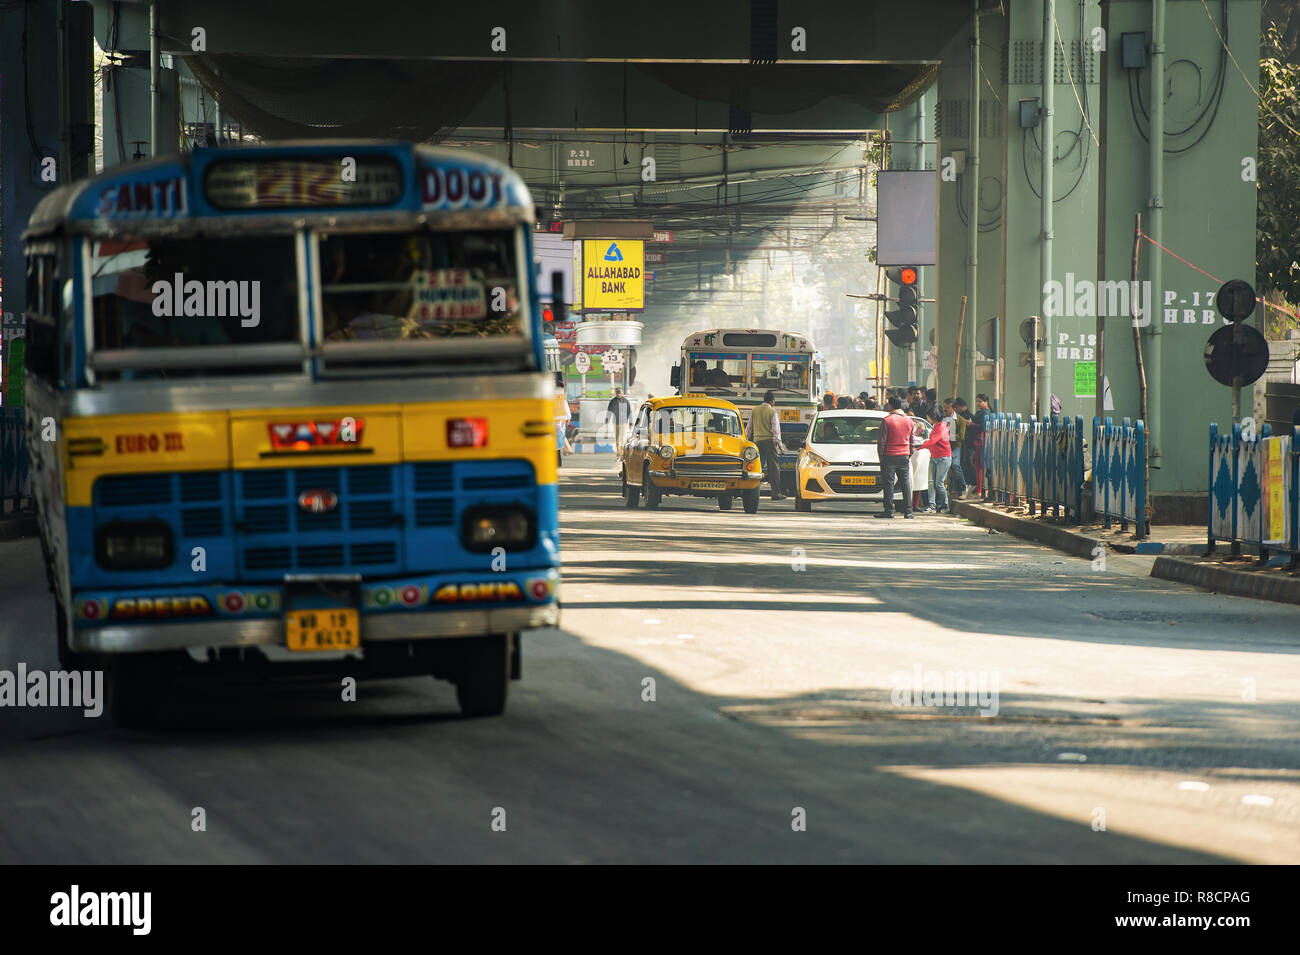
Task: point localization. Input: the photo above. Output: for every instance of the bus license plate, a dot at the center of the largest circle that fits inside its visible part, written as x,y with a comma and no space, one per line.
789,414
708,485
869,480
328,629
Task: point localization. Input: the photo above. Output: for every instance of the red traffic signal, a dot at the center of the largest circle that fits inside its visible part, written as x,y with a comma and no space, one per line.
905,275
548,314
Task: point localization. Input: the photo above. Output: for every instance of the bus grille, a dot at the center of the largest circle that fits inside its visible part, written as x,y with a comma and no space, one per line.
389,519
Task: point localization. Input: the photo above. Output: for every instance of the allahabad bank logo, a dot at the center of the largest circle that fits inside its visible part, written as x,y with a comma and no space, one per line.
613,275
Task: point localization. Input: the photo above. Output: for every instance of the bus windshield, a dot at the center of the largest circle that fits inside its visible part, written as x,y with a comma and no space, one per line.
420,285
168,293
788,373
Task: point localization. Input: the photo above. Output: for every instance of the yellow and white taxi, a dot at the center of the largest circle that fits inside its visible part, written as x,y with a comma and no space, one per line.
840,460
691,445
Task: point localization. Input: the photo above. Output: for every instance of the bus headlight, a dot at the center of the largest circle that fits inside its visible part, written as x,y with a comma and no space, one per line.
134,545
485,528
750,454
666,452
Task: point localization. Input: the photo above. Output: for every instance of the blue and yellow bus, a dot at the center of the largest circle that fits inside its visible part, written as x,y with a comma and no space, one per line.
287,409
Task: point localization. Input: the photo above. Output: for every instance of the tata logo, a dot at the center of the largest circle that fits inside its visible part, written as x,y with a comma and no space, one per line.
306,435
318,500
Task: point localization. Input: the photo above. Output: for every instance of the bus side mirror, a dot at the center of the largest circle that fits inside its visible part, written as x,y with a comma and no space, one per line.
675,378
557,295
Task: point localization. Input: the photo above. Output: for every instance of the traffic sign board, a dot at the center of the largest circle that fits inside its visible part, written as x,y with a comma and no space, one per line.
1235,300
582,362
1236,363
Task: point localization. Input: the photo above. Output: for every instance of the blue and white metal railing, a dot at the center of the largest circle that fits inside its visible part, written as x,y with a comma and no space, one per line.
1119,473
1039,462
1254,491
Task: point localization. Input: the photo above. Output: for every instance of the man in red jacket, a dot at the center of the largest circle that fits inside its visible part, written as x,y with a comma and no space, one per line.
895,452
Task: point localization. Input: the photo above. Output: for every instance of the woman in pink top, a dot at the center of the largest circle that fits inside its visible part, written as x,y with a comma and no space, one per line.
940,461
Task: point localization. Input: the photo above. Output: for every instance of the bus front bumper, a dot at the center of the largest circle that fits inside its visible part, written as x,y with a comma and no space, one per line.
461,605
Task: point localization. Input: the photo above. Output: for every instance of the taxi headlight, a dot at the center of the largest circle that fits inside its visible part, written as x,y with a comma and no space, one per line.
666,452
750,454
817,461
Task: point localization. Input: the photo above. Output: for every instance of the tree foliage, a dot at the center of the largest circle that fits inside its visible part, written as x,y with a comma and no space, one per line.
1278,212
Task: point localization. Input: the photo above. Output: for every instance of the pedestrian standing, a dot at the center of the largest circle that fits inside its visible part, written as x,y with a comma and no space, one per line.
950,419
967,440
561,415
765,431
940,460
894,447
977,452
619,410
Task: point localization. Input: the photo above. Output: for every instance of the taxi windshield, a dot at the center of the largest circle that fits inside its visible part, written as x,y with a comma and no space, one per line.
845,430
686,420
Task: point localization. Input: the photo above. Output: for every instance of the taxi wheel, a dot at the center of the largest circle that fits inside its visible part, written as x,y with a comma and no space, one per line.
631,495
799,503
750,500
724,502
652,494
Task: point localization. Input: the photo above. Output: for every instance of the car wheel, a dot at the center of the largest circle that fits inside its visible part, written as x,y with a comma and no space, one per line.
652,494
484,675
724,502
750,499
799,503
631,494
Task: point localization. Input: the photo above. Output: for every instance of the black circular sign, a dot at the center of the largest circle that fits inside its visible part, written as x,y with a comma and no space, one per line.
1030,330
1247,359
1235,300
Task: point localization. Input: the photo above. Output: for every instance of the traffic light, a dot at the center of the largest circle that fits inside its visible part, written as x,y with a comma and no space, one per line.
904,315
548,313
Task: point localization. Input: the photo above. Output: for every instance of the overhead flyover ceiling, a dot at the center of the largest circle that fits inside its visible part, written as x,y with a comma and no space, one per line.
757,145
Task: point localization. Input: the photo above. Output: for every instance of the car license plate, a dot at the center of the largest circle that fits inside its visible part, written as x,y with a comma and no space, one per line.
332,628
787,465
858,480
708,485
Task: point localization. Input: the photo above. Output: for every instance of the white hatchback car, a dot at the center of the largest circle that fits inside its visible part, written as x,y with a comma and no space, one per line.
840,460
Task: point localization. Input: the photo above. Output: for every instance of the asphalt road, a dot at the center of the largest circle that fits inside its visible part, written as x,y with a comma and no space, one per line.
1137,720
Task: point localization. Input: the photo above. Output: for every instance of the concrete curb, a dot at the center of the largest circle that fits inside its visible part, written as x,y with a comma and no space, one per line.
1227,580
15,528
1077,545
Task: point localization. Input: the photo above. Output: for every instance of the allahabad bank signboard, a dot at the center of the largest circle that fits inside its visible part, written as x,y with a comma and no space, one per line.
613,275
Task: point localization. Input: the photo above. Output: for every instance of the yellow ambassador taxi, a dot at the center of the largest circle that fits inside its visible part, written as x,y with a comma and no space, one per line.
693,445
